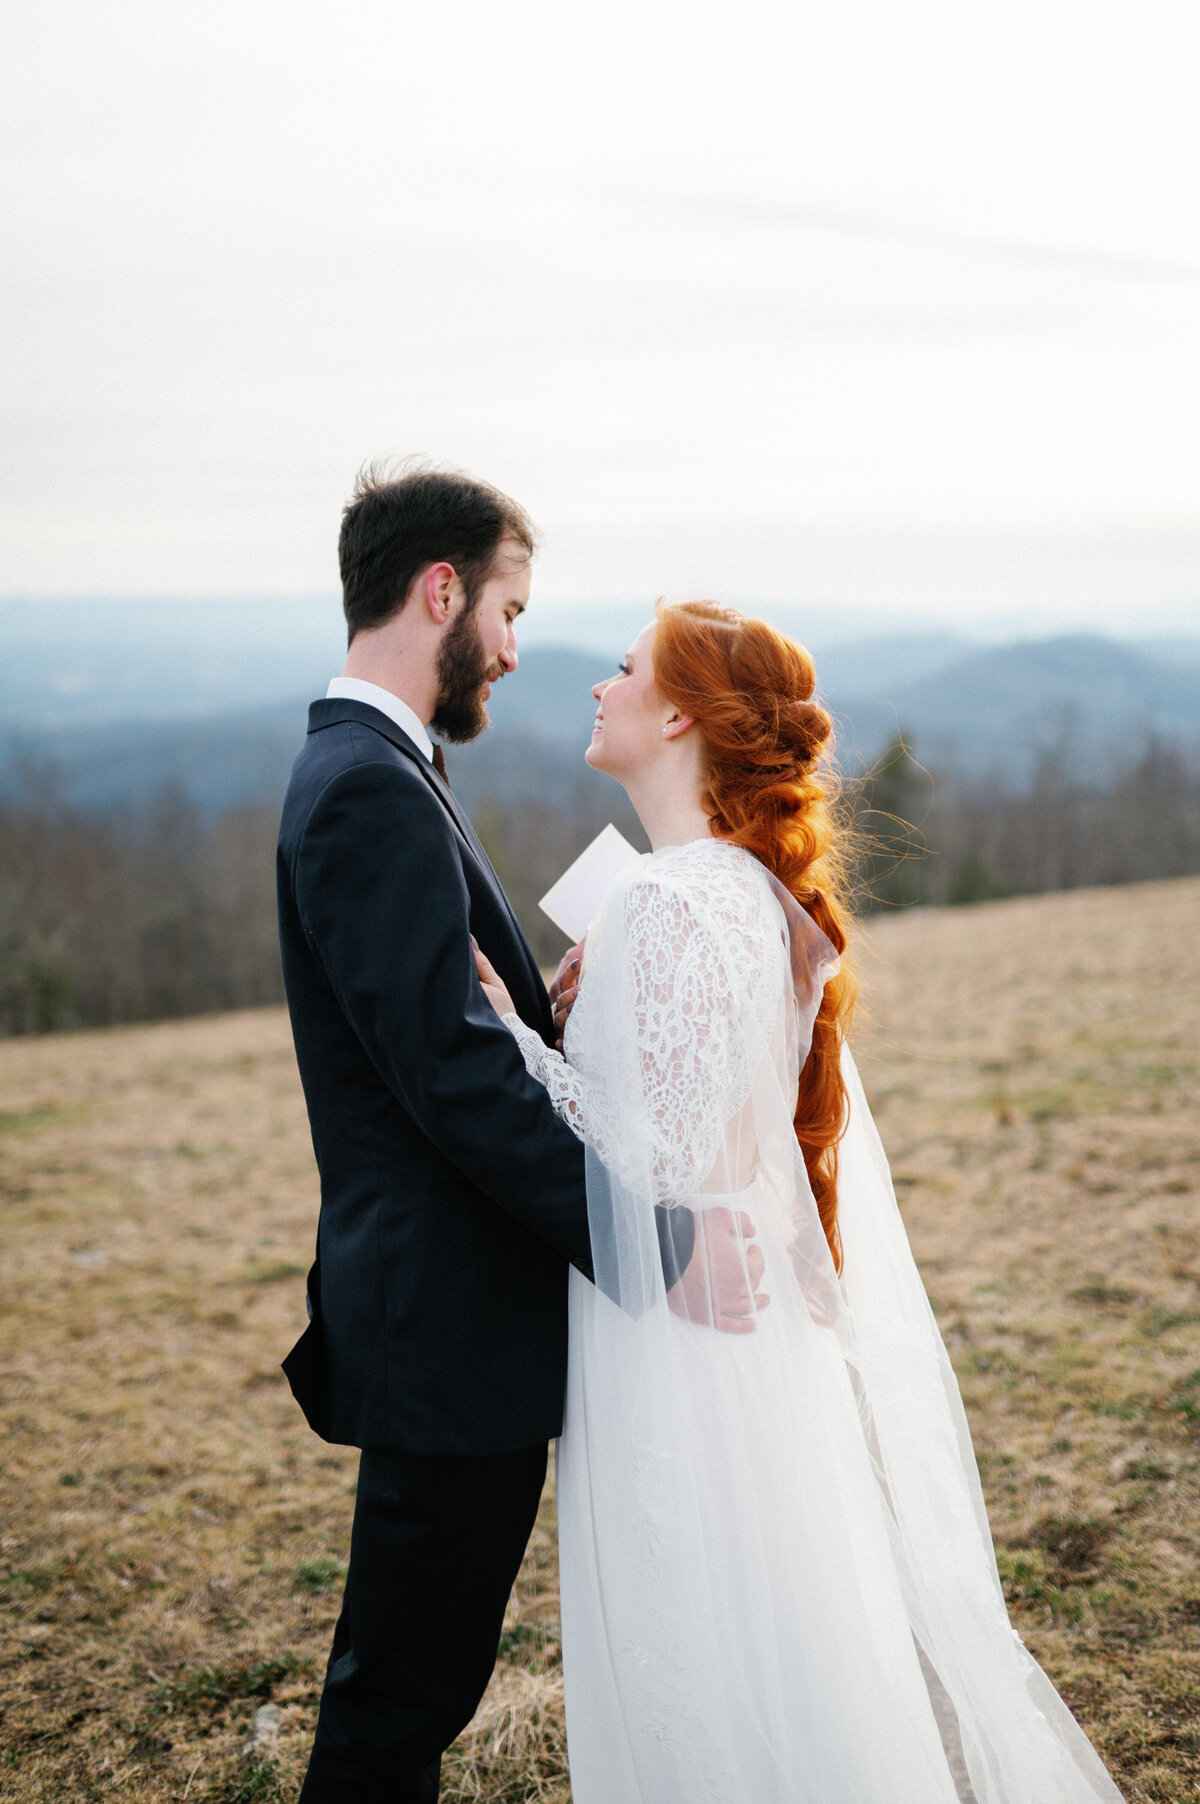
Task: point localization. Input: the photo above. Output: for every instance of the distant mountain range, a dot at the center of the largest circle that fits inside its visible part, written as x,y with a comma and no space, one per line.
967,710
965,713
66,664
73,663
998,708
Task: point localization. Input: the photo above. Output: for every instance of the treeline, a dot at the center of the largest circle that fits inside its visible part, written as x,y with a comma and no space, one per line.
132,916
161,910
926,838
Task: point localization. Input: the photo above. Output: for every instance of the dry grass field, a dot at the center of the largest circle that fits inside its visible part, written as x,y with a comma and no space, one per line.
172,1537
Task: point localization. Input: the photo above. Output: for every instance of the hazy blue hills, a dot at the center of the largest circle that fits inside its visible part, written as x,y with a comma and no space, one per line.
993,710
85,663
967,711
1000,707
67,664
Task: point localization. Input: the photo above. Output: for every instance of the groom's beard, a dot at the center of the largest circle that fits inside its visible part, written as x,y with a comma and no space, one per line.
462,671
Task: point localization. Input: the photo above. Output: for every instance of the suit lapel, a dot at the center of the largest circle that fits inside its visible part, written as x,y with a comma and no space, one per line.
472,839
330,711
467,831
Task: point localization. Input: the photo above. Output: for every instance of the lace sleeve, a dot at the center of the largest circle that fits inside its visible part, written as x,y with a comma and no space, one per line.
564,1083
683,1002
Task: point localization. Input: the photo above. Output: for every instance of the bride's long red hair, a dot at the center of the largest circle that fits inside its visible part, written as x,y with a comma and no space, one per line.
751,692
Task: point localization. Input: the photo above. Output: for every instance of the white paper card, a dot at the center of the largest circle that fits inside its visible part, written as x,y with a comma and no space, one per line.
578,896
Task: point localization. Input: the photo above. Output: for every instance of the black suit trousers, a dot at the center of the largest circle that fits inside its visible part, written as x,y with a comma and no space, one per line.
436,1545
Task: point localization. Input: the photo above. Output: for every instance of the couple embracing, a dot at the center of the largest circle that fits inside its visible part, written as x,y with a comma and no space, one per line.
647,1212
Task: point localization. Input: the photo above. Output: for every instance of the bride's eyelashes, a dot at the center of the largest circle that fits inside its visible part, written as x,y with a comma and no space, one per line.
623,670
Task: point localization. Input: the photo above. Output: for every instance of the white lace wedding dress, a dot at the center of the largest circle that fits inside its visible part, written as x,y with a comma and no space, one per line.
778,1584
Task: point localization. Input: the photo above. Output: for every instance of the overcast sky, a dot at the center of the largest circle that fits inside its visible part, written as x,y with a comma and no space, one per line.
895,305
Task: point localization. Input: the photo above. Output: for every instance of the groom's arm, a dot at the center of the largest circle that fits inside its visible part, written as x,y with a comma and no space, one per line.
380,892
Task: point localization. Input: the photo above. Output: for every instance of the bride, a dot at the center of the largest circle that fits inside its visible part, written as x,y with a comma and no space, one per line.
778,1584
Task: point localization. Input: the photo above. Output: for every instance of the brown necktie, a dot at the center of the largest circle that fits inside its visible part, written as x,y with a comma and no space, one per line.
439,765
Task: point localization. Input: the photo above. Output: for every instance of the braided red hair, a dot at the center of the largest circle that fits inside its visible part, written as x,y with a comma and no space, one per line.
750,690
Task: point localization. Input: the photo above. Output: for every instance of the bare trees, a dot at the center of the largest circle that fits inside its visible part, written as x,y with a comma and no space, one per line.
132,916
930,838
163,910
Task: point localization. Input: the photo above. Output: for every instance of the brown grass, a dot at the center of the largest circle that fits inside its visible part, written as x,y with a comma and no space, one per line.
172,1538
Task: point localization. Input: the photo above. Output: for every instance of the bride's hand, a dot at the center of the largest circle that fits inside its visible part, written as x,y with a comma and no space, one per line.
720,1285
493,986
564,988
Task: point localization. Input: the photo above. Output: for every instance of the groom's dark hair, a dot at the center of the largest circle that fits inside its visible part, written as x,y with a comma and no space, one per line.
395,525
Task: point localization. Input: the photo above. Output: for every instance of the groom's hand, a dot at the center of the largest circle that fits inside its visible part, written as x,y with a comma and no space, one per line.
564,989
720,1284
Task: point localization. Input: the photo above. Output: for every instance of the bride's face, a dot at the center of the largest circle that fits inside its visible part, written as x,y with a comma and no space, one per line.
628,733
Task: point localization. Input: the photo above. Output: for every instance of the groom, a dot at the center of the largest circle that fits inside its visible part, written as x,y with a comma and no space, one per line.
452,1197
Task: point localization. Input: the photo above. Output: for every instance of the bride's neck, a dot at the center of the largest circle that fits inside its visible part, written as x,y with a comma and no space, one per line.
670,812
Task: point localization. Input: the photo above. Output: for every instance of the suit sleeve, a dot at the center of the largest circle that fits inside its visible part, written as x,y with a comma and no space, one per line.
380,892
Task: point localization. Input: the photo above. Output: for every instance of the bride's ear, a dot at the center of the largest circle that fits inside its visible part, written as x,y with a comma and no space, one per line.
678,723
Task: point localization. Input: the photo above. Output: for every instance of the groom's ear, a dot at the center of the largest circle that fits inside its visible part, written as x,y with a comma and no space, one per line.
437,588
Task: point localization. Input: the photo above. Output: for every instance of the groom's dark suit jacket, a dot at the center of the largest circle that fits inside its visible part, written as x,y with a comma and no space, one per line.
452,1197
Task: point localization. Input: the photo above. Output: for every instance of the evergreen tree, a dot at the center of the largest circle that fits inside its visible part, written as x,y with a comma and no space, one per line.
893,801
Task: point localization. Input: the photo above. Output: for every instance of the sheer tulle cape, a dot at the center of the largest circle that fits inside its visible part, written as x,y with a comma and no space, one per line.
778,1584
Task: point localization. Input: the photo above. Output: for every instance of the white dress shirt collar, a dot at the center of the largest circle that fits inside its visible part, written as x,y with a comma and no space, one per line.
354,689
